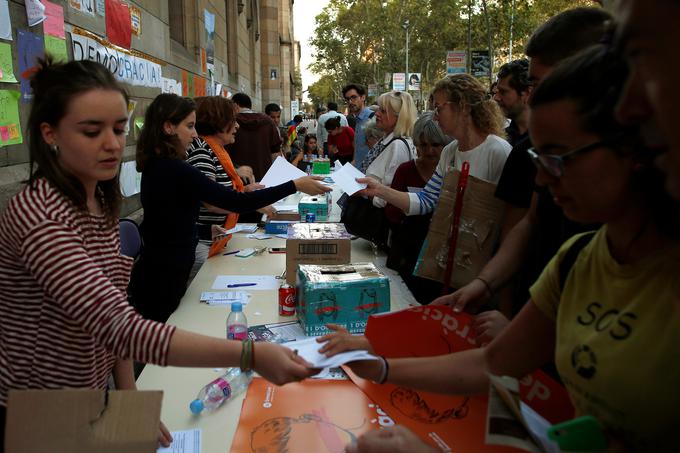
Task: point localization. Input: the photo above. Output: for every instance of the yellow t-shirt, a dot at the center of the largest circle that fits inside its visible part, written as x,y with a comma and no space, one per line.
618,340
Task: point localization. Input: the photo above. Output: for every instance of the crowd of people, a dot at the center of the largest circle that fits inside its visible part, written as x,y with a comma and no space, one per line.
578,141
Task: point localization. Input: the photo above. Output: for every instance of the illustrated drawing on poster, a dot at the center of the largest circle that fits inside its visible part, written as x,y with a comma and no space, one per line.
480,63
83,6
10,127
414,81
6,67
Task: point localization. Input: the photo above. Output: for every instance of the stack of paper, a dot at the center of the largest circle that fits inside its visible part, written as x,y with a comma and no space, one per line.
224,297
243,228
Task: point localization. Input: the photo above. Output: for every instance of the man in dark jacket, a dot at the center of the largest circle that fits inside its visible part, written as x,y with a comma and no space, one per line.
257,140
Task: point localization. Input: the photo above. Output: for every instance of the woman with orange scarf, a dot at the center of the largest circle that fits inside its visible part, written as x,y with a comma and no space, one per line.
216,127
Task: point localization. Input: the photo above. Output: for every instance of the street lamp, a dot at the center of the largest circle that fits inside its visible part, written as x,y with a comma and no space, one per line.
405,26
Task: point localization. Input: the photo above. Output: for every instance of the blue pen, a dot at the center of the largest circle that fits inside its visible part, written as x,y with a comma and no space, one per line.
239,285
231,253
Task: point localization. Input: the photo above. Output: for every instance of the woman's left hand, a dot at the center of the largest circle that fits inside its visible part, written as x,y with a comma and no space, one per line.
373,187
341,340
487,325
395,439
269,211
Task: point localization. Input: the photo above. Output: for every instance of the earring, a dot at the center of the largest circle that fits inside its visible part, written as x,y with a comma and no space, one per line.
55,149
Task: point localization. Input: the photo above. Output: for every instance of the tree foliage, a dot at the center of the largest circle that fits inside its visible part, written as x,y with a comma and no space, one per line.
363,40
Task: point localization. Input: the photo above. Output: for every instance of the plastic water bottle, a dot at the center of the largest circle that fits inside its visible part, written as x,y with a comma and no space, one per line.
237,324
225,387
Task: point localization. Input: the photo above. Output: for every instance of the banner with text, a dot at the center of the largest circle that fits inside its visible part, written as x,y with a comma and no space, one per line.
456,61
399,81
126,67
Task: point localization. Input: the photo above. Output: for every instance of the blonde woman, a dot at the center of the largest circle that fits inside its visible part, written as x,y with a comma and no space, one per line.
465,112
395,117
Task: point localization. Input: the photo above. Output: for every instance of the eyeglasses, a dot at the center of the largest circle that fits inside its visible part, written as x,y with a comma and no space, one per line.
351,98
553,164
437,108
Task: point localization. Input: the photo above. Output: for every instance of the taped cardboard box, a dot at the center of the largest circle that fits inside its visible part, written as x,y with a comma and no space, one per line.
478,232
340,294
82,421
316,243
319,205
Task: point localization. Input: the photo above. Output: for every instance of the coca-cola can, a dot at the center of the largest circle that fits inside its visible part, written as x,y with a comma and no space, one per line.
286,300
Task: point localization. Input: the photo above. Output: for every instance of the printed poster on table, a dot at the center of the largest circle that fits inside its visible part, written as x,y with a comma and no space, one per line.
35,12
30,47
6,66
10,127
399,81
5,21
125,67
320,416
118,25
456,61
452,423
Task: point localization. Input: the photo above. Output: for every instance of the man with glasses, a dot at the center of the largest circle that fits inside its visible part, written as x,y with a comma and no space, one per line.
355,98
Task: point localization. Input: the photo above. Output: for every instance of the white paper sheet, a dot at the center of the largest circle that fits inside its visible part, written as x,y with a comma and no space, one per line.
309,350
35,12
259,236
130,179
224,297
262,282
5,21
243,228
188,441
345,178
281,171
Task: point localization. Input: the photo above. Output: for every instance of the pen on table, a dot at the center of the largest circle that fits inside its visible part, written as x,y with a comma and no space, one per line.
231,253
239,285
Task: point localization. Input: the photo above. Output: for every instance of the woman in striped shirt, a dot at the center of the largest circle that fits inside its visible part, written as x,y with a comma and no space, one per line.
66,322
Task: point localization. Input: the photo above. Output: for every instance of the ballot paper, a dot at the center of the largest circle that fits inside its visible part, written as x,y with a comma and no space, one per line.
188,441
346,177
243,228
225,297
308,349
281,171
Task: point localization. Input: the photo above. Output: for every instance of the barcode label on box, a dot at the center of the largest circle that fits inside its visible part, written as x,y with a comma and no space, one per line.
318,249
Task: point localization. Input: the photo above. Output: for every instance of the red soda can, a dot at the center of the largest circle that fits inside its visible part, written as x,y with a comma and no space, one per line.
286,300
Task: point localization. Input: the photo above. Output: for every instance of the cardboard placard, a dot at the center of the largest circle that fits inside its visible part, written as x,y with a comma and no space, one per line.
82,421
446,421
479,229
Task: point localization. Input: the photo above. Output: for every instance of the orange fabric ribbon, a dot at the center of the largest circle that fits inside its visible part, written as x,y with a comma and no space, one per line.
232,218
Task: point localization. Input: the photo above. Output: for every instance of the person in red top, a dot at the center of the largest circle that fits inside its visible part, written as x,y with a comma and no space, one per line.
407,233
64,313
340,141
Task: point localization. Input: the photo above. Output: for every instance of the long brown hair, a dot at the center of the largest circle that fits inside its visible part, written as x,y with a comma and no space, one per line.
54,86
154,142
214,114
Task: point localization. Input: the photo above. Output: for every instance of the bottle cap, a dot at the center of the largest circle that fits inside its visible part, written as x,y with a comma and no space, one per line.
236,306
196,406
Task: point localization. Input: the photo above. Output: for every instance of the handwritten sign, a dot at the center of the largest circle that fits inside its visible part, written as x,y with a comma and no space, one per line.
6,68
10,127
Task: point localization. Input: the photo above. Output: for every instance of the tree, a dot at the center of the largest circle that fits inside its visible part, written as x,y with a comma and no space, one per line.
362,40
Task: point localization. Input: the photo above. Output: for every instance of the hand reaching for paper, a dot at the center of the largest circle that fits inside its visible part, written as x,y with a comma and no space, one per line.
373,187
341,340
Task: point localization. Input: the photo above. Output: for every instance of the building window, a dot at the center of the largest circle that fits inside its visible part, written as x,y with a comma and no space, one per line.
176,9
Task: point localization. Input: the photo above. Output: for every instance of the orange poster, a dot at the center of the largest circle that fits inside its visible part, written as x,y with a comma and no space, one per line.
449,422
185,84
320,416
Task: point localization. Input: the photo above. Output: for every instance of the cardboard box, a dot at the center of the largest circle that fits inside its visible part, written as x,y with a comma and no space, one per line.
291,216
345,294
480,224
319,205
316,243
277,226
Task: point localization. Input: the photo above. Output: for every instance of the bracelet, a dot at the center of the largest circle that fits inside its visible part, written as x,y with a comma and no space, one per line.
385,370
247,355
486,283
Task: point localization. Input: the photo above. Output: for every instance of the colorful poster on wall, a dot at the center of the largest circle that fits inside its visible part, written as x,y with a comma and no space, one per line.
30,47
6,66
456,61
118,23
480,63
190,86
136,20
399,81
185,84
35,12
54,20
56,47
414,81
83,6
5,21
209,19
10,127
101,7
128,68
372,89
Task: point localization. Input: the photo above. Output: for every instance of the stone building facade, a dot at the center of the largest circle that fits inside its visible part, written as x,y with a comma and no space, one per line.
254,52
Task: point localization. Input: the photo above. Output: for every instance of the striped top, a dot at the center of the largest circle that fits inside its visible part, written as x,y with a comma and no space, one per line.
64,315
204,159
